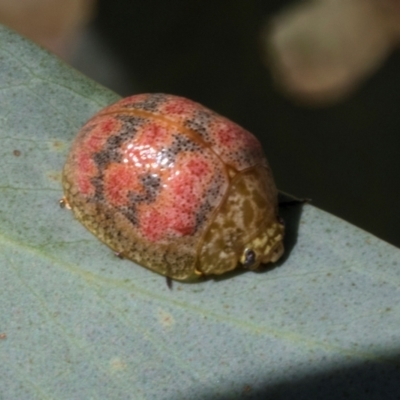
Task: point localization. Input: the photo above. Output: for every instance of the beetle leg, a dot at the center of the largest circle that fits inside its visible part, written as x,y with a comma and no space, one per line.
169,281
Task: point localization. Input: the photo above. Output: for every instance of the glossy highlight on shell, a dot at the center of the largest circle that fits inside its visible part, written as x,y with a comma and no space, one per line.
174,187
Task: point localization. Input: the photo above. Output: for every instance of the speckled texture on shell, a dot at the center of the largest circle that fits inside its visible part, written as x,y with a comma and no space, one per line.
172,186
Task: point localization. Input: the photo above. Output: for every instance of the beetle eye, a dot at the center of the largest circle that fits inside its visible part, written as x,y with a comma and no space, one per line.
249,258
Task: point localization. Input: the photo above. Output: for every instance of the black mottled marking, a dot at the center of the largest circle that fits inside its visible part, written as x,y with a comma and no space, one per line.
247,156
130,213
151,184
104,157
209,203
202,213
97,182
200,123
151,103
180,144
111,150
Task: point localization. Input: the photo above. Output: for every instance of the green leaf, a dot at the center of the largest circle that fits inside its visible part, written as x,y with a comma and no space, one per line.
78,323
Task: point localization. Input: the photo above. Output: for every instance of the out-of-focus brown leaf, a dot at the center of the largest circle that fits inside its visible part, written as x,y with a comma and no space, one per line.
320,51
54,24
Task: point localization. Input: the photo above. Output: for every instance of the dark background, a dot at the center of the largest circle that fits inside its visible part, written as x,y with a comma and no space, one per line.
345,157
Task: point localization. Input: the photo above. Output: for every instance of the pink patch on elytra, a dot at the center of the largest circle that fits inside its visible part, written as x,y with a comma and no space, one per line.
95,143
152,224
228,134
99,129
178,106
174,212
87,169
198,167
236,146
154,135
159,223
108,125
182,223
119,180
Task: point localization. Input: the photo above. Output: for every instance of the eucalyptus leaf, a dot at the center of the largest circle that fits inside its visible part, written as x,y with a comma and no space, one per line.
76,322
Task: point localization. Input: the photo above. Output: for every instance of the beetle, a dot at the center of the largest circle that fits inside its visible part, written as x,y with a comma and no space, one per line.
174,187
